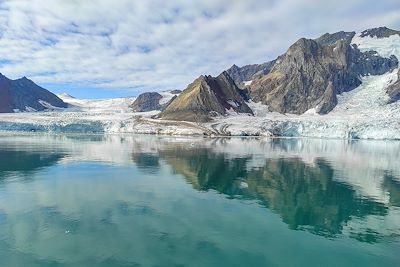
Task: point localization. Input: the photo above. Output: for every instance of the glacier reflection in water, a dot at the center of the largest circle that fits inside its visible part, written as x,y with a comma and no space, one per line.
145,201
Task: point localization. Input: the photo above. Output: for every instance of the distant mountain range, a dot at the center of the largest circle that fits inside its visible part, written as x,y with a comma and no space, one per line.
308,76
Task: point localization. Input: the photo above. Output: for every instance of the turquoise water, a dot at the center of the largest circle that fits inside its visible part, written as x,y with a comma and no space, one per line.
163,201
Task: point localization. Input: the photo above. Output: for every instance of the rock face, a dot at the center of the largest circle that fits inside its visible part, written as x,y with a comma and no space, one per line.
147,102
394,90
6,104
331,39
249,72
24,95
152,101
206,97
312,72
381,32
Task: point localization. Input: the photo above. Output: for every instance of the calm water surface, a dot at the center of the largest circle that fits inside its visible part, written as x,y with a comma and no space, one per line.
163,201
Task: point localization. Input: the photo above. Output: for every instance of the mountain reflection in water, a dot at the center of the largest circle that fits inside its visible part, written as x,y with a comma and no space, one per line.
312,196
328,188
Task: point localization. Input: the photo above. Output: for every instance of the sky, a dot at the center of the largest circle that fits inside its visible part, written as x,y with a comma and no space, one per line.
104,48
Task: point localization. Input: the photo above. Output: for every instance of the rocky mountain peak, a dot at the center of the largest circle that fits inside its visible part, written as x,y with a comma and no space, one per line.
25,80
240,75
206,97
380,32
312,72
226,77
303,47
330,39
24,95
146,102
234,67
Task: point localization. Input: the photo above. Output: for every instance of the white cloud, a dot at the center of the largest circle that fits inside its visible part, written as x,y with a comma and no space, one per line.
154,45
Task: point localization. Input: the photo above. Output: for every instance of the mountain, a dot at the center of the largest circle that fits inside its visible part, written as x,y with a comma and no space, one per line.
150,101
248,73
205,98
24,95
381,32
312,73
147,102
331,39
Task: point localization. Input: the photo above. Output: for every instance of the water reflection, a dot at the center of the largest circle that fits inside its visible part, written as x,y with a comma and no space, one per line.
25,163
328,188
392,185
306,196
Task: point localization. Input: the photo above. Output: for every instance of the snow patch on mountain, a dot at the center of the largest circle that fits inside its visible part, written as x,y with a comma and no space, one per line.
48,106
385,47
248,83
30,109
166,97
369,98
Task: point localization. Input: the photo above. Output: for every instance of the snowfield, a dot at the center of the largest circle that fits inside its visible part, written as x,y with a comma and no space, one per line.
362,113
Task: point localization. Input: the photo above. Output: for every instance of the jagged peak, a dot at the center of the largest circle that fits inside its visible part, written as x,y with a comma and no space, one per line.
234,66
379,32
302,42
24,79
332,38
303,45
199,80
224,74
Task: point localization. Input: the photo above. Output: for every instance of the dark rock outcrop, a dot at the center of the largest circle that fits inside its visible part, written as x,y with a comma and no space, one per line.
206,97
381,32
300,77
176,92
147,102
249,72
370,63
24,95
331,39
394,90
6,104
312,72
151,101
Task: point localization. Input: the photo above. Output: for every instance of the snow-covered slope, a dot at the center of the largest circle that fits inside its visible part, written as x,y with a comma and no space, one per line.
120,105
384,46
167,96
